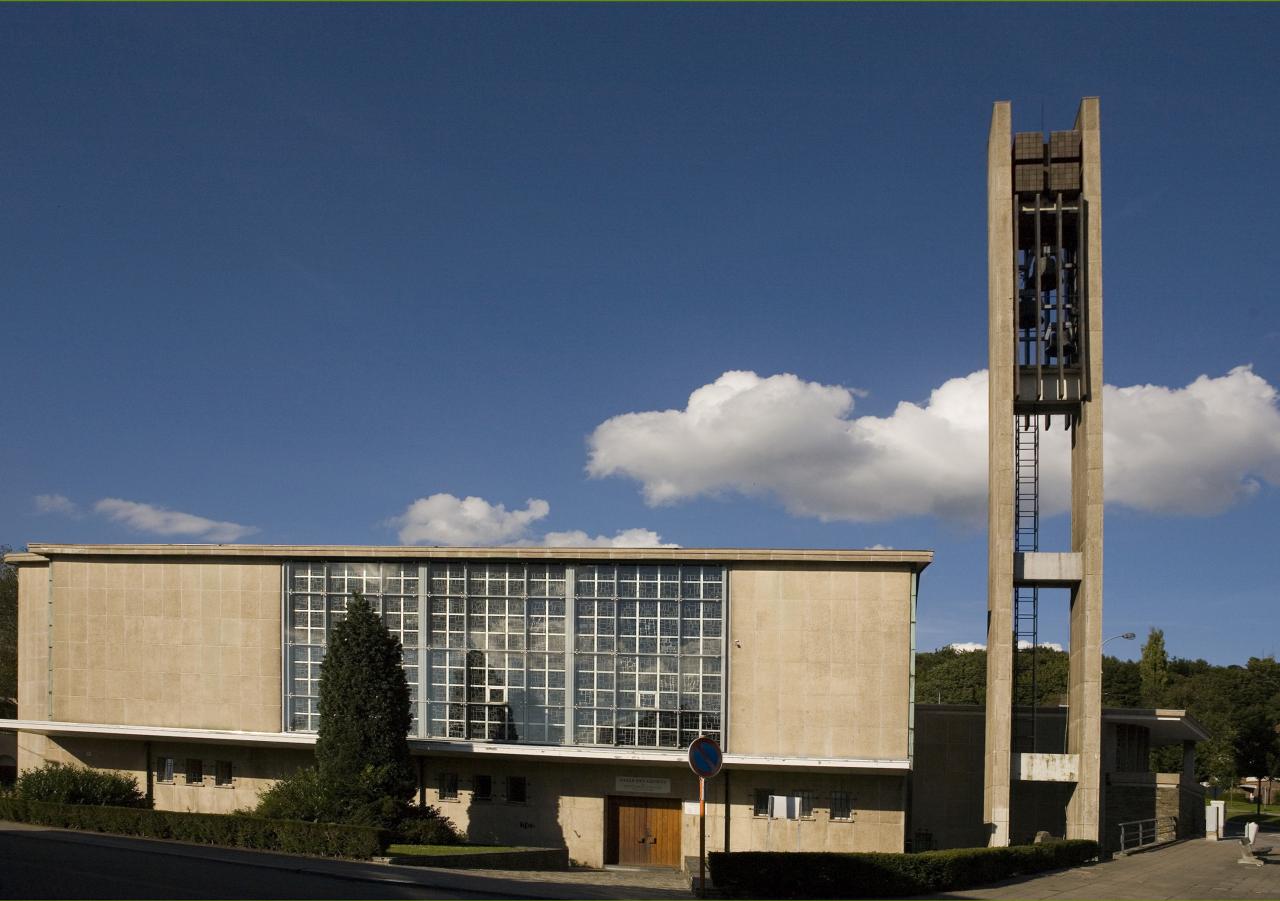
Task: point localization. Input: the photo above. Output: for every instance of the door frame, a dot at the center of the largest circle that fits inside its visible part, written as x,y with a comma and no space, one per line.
611,828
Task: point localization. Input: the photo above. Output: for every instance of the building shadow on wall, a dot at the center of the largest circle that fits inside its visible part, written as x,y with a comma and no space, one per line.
533,824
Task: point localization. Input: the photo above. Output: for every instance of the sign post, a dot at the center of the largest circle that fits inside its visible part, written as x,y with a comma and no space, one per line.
705,760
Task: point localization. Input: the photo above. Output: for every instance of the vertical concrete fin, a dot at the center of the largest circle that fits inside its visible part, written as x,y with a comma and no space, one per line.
1000,518
1084,686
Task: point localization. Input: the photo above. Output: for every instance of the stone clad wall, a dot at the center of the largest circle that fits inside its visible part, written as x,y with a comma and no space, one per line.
154,642
1160,795
253,769
819,661
33,659
567,807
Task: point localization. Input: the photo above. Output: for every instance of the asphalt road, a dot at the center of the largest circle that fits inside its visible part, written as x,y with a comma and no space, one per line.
35,864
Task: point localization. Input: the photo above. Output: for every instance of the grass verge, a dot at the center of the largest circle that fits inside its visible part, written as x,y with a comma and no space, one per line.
445,850
1240,812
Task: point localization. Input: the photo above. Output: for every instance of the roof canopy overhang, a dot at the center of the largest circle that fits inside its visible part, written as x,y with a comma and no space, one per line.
306,741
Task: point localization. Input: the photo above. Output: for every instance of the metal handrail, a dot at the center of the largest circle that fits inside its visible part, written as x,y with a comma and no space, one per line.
1143,833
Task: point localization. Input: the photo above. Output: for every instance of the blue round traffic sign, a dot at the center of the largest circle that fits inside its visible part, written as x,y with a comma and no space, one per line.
705,758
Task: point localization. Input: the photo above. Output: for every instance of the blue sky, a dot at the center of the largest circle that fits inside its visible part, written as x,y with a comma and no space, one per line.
321,272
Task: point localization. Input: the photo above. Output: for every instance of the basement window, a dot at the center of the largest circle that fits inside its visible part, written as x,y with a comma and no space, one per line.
841,806
807,797
164,769
517,790
195,771
448,786
481,788
222,773
760,807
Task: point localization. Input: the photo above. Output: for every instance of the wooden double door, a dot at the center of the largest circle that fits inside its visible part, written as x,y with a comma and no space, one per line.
643,832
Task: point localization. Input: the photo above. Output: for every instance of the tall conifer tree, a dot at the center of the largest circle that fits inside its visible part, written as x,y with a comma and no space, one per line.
1153,669
365,712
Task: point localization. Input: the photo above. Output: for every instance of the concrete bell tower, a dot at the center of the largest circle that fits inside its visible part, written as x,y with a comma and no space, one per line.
1044,265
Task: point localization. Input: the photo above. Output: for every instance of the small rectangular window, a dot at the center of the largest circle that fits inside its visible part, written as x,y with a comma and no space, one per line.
448,786
481,788
195,771
841,806
806,799
517,790
164,769
222,774
761,805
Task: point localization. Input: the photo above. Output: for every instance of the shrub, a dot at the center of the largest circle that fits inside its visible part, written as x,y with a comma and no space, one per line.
311,795
230,830
64,783
761,874
426,826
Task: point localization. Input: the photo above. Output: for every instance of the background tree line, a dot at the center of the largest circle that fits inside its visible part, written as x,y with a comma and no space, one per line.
1238,705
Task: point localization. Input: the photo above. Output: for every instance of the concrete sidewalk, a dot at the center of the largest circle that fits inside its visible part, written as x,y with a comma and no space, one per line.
1191,869
562,884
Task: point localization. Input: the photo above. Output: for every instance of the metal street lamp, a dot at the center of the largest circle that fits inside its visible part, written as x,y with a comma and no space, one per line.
1127,636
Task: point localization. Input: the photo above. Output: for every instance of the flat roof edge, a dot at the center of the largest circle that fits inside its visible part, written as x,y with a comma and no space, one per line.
18,558
917,559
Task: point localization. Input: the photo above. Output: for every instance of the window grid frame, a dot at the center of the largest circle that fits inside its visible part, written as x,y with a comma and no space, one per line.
459,580
686,587
326,586
629,718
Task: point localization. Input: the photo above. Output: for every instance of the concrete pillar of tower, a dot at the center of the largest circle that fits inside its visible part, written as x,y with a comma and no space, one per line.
1084,688
1000,473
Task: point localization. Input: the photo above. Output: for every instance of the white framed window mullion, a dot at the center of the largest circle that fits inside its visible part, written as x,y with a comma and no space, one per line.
424,651
570,642
724,658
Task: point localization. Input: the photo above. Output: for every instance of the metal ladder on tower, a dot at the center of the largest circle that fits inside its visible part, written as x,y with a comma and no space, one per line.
1026,599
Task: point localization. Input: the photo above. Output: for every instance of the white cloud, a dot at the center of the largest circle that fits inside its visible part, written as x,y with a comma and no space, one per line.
57,503
1194,450
796,440
443,519
965,647
1024,645
159,521
623,538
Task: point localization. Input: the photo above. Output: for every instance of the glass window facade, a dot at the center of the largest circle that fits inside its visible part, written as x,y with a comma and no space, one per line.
317,598
647,645
544,653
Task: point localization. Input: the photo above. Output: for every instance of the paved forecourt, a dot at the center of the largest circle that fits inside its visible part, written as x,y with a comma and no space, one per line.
1192,869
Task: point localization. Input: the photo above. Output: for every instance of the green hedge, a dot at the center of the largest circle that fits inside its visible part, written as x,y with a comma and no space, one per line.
768,874
230,830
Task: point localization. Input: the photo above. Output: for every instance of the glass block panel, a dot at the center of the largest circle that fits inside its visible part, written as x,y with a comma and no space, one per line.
484,646
655,633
